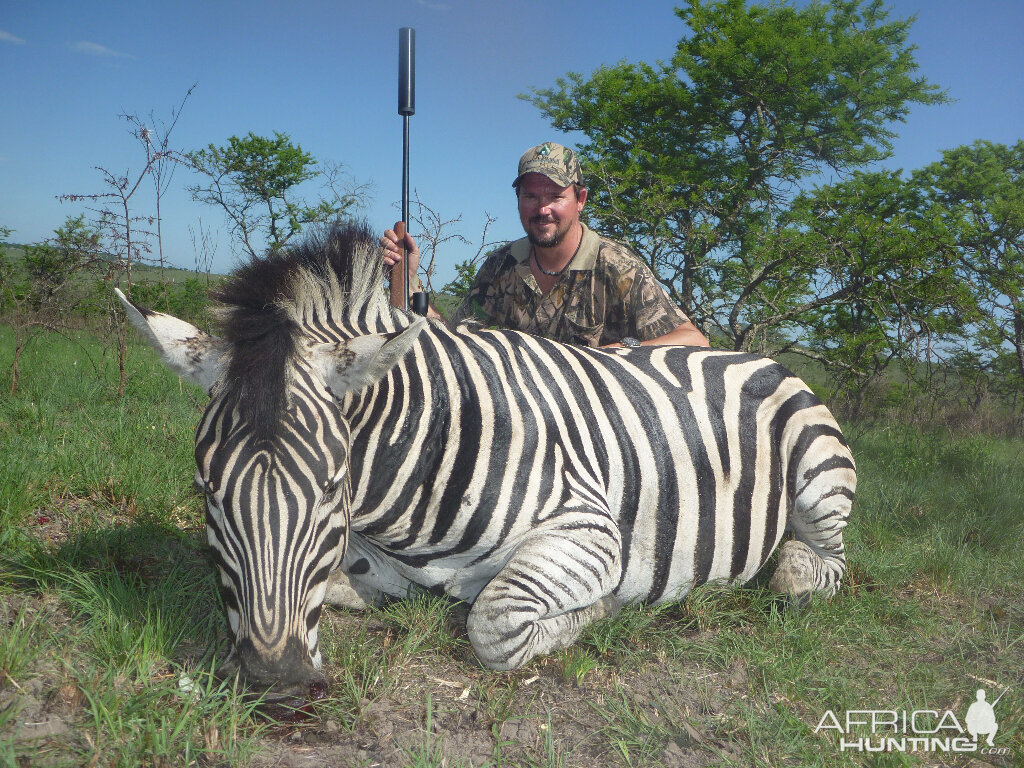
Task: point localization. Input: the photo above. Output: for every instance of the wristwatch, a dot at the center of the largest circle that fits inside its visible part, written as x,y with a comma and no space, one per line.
629,341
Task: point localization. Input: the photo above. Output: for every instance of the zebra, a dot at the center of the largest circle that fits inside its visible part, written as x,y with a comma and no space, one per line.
351,452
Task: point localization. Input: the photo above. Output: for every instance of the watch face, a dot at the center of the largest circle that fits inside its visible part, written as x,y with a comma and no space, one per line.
629,341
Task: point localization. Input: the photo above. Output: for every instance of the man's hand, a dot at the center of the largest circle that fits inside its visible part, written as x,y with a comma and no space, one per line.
392,244
687,335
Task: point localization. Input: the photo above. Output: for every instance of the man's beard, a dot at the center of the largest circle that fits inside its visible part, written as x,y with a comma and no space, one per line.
550,242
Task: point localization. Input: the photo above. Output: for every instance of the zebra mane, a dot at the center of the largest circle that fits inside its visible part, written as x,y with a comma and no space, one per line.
333,278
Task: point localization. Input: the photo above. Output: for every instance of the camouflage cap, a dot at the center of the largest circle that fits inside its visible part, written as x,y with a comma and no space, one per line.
556,162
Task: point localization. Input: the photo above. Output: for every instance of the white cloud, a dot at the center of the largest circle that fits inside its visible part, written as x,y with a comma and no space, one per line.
95,49
7,37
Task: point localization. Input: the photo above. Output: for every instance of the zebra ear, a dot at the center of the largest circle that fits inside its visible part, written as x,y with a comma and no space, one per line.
186,350
351,365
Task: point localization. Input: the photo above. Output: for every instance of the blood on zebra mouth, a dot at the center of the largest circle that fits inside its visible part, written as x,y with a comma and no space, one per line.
292,709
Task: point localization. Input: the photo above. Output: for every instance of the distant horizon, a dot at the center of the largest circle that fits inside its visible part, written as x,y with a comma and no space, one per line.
332,87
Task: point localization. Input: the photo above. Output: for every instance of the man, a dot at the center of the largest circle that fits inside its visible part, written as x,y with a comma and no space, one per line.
562,280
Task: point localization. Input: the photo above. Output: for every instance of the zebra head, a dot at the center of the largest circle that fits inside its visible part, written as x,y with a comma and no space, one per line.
272,454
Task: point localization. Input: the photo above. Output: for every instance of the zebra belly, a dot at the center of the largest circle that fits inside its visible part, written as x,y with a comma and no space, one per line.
461,576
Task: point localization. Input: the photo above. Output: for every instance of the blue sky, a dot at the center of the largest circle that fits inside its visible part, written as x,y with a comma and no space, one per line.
325,73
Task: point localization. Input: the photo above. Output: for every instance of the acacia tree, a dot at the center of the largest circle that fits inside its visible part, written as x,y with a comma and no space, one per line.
127,239
255,180
875,258
161,161
980,191
125,228
694,161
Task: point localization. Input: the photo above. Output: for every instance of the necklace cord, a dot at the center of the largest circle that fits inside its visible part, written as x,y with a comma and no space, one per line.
533,252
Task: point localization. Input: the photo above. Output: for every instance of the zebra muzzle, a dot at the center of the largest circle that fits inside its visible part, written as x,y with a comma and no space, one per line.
287,673
287,682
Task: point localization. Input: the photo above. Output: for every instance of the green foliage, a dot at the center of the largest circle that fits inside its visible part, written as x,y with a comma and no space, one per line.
797,87
978,192
188,300
18,643
71,444
465,271
6,270
885,288
267,167
51,265
694,161
254,180
450,297
72,245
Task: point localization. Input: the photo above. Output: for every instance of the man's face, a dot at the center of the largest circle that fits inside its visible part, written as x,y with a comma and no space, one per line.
548,212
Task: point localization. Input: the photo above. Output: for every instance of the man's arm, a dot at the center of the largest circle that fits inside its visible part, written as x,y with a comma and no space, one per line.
687,335
651,307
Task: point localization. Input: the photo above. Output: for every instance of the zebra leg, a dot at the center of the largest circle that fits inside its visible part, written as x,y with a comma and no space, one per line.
555,583
814,561
799,573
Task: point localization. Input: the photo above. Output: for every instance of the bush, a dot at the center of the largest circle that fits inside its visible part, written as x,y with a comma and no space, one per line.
187,300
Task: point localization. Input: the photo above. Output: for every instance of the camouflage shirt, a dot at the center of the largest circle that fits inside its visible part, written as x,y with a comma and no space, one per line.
606,293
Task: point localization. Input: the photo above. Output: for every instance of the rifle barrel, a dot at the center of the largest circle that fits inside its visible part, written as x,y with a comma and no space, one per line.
406,108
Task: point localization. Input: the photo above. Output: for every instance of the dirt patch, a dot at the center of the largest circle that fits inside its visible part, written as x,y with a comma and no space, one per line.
446,711
454,713
394,734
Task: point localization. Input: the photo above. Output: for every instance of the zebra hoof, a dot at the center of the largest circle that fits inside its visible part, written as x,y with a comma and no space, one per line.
606,607
794,576
341,593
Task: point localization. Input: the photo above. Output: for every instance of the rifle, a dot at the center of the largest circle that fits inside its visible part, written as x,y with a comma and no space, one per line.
407,108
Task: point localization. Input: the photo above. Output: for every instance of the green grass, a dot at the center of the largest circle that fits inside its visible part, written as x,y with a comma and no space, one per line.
108,603
17,644
71,446
133,612
100,530
949,510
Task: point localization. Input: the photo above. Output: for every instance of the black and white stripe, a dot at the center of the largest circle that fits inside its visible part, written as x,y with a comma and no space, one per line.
573,474
546,484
